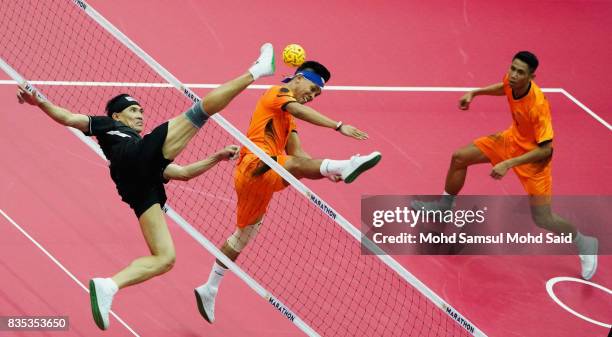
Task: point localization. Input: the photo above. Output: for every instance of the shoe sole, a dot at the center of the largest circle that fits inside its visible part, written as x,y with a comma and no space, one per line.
201,307
362,168
95,311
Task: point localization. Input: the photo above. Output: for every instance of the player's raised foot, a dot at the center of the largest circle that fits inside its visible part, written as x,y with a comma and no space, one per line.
359,164
101,293
205,299
588,257
264,66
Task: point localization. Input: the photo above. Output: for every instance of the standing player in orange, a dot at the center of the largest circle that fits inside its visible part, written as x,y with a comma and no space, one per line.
526,148
273,129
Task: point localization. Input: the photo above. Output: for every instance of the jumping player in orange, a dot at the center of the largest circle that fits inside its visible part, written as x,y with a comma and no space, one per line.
526,147
273,129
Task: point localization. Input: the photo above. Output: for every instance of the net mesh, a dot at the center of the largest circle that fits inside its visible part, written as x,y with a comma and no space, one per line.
300,255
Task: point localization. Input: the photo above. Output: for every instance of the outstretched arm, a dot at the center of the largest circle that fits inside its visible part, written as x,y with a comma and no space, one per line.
187,172
312,116
496,89
58,114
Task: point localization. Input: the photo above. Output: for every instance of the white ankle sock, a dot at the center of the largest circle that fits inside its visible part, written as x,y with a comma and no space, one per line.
260,68
215,277
331,167
254,71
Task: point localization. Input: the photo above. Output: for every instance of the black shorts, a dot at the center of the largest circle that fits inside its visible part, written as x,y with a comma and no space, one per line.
138,171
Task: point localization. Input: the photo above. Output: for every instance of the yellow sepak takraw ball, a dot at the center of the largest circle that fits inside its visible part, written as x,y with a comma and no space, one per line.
294,55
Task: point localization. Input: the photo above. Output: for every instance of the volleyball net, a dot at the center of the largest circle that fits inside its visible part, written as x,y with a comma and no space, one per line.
306,259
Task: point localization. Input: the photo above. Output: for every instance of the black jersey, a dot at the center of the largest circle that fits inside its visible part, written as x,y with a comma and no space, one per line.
136,163
112,135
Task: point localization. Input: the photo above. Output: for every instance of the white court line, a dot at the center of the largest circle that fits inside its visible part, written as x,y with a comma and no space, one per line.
549,288
254,86
329,87
585,108
61,266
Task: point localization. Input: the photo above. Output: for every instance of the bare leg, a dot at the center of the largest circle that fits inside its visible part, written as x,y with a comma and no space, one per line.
161,260
229,252
181,130
544,218
220,97
462,158
206,293
301,167
247,235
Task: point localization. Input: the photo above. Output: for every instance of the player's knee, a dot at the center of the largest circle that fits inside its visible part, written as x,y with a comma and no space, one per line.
459,159
165,262
197,115
293,165
242,236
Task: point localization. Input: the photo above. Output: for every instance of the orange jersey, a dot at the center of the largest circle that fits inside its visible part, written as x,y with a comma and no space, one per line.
531,119
271,124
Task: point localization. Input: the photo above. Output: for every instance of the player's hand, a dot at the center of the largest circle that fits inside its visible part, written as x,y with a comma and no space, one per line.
23,96
499,170
351,131
230,152
335,178
464,102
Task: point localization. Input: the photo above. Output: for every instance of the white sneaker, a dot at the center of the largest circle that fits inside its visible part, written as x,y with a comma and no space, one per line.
588,261
358,165
264,66
205,297
101,293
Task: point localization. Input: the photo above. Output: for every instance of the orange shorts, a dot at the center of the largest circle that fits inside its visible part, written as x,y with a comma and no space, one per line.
536,178
255,183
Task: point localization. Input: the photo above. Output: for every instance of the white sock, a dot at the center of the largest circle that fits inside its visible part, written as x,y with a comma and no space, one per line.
215,277
262,66
255,72
112,285
331,167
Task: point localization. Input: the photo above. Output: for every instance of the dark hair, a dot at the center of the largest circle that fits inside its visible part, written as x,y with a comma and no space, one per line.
112,105
315,67
529,58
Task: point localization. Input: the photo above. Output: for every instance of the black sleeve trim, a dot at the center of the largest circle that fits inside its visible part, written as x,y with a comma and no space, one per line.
88,132
542,143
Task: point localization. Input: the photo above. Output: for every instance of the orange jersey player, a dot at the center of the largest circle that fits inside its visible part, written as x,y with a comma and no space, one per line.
273,129
526,147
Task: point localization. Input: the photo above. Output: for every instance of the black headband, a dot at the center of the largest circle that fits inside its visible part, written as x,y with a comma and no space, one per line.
121,103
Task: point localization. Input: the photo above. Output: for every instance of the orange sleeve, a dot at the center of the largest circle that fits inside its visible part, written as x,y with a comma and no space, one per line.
277,97
542,122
